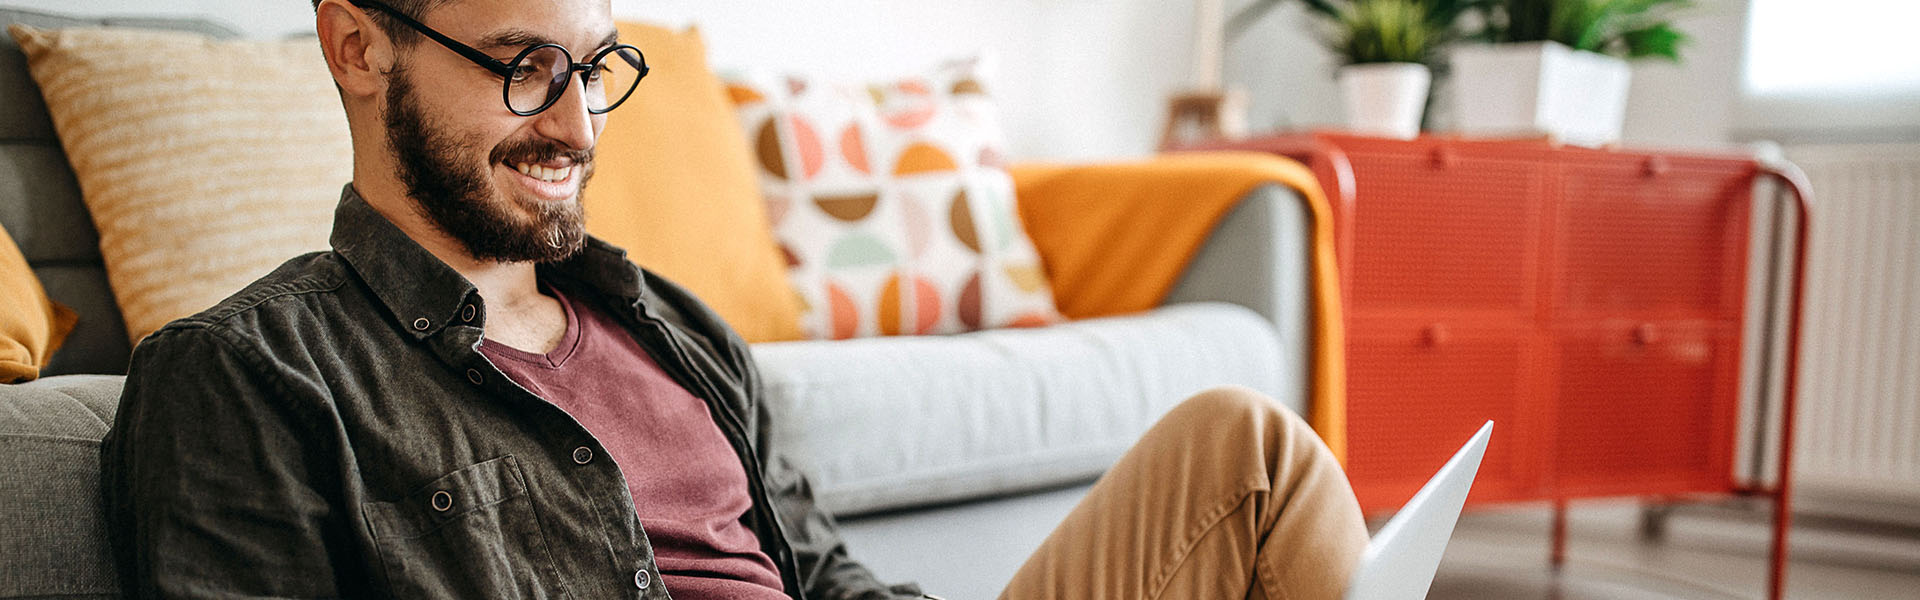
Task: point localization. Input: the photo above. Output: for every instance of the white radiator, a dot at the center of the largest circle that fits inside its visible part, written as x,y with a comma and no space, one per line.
1859,402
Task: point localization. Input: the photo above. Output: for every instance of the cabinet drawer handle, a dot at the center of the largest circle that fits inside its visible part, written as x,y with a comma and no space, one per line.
1434,335
1645,334
1655,166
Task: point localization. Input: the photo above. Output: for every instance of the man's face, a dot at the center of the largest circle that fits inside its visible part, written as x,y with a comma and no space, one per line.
506,187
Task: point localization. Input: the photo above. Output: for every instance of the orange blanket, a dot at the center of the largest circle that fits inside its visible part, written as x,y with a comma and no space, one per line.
1116,237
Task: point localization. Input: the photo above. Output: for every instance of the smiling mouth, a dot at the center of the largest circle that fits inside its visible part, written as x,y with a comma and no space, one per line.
545,173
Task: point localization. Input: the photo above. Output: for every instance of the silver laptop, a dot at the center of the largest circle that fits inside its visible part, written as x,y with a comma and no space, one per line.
1400,561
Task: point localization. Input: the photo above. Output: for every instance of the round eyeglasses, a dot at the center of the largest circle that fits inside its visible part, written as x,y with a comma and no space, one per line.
540,74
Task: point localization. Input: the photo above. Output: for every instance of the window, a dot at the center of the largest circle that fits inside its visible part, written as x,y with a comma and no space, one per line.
1831,68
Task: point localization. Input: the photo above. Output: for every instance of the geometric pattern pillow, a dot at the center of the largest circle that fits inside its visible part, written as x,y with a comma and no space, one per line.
892,203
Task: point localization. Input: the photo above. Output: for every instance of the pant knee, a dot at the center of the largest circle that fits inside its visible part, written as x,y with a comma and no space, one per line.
1230,403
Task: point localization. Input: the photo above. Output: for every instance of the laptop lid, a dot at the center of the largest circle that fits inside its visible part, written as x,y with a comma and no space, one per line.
1400,561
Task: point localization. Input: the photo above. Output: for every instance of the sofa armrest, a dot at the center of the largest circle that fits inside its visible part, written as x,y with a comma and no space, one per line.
1228,227
1259,257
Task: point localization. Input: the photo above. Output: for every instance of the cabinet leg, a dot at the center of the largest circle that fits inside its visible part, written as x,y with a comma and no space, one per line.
1782,523
1559,534
1653,520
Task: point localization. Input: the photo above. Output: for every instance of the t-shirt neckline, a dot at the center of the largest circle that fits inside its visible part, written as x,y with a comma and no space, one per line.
569,342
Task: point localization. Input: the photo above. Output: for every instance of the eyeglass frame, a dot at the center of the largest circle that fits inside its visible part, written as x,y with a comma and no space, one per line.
505,70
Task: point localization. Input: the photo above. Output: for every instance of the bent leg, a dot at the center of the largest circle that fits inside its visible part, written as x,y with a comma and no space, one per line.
1230,495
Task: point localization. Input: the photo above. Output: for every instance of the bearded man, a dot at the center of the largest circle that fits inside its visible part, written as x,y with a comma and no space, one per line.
469,397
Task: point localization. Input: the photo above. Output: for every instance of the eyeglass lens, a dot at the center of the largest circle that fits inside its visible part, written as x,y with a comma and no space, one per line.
541,76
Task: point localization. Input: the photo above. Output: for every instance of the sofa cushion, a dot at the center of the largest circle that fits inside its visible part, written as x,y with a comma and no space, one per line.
55,541
31,325
893,203
204,163
674,185
885,423
40,200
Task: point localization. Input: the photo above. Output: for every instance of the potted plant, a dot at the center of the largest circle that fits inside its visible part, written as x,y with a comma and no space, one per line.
1384,47
1558,67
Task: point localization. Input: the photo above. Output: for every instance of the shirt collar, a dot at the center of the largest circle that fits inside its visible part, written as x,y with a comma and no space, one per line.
423,295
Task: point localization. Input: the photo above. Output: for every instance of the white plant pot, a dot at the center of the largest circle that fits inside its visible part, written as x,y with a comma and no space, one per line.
1385,99
1536,88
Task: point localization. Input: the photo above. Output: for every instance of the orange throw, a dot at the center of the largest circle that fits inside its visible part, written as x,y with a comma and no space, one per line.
1115,239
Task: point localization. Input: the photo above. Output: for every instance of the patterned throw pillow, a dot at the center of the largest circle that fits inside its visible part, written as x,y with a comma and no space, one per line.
892,203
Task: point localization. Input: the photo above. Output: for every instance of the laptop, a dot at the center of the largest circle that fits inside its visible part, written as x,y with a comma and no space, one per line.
1400,561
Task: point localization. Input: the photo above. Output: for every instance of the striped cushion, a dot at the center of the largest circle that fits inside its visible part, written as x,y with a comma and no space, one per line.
204,163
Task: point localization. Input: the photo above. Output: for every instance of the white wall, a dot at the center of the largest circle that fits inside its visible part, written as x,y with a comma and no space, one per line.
1081,79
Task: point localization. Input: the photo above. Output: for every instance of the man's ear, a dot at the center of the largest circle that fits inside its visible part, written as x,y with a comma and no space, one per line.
358,53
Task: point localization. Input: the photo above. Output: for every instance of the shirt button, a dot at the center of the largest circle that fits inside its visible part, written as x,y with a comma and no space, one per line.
422,323
582,455
474,376
641,579
442,501
466,314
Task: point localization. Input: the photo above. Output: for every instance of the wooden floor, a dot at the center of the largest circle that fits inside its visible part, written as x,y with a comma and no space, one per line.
1706,553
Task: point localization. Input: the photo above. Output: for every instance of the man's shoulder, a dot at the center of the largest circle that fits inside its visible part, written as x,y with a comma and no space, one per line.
298,290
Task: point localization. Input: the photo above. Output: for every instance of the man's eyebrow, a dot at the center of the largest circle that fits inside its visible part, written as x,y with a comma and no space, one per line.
520,38
512,37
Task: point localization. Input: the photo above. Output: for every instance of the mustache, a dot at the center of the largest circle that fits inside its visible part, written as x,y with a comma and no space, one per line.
539,151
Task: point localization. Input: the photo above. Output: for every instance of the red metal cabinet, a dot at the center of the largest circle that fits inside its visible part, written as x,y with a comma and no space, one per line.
1644,408
1417,388
1444,234
1652,235
1588,301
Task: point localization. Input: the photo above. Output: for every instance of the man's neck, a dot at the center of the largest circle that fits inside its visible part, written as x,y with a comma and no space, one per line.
511,289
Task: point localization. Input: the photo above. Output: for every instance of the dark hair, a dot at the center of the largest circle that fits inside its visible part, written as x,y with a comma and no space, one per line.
402,35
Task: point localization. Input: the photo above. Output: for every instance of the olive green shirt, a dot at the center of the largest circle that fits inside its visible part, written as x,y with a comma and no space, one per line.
332,430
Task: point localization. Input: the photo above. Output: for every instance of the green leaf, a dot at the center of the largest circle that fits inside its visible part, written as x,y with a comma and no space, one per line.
1633,28
1324,7
1374,31
1660,40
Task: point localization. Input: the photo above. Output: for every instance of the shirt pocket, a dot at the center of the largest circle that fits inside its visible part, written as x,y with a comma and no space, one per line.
472,533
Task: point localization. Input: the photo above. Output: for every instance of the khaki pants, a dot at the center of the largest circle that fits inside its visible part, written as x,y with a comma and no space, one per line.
1229,496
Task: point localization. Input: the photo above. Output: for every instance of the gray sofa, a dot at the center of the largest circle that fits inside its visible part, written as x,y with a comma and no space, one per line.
990,437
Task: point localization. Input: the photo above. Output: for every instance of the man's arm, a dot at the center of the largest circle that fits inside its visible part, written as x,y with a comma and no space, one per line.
214,476
826,570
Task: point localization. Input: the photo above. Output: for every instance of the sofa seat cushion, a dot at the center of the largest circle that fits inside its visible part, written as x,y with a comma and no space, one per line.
55,540
883,423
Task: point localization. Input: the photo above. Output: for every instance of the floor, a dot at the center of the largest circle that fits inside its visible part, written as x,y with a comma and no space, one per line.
1707,552
1501,553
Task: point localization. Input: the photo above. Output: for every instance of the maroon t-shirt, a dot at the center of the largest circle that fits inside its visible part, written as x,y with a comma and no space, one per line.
688,485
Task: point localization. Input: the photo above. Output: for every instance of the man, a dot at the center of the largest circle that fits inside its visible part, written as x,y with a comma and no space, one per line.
468,397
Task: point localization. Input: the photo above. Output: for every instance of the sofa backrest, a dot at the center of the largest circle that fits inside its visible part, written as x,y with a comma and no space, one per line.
40,204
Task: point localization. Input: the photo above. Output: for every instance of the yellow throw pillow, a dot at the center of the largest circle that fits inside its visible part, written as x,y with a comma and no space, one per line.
674,185
31,325
204,163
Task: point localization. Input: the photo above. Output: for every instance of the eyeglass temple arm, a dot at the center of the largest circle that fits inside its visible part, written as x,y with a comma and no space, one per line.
469,52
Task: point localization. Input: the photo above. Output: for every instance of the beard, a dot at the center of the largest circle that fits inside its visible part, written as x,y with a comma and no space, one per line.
456,194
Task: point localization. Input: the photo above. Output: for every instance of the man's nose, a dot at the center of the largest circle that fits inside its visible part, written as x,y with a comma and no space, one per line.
568,120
